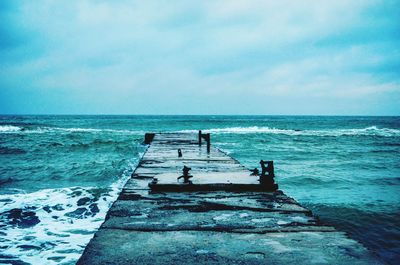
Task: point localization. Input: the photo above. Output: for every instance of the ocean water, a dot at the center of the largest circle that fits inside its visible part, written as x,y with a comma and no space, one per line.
60,174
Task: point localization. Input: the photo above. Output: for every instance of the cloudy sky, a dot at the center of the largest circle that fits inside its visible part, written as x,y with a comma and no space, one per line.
200,57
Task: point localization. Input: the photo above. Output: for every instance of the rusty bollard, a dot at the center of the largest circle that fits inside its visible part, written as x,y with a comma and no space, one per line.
254,172
186,176
267,173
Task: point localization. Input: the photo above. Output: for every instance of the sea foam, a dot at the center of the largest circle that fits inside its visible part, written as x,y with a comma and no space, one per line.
15,129
68,218
9,128
369,131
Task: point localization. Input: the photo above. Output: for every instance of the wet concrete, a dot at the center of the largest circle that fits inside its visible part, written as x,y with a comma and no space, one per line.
211,227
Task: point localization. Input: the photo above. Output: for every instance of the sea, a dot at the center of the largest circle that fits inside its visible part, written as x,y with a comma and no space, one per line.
60,174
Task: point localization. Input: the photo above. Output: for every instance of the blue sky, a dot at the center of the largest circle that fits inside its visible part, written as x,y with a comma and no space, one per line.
200,57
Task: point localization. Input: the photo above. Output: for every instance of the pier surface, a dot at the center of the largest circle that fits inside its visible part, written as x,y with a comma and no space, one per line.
211,227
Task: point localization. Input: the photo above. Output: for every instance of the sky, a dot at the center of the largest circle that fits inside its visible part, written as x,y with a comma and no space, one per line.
200,57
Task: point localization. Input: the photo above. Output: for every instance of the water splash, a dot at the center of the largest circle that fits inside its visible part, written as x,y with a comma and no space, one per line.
9,128
369,131
16,129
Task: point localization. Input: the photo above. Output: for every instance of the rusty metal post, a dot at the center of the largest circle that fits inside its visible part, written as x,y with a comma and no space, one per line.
148,138
208,139
267,174
271,170
200,138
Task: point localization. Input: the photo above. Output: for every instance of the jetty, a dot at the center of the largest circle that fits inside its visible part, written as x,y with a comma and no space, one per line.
188,202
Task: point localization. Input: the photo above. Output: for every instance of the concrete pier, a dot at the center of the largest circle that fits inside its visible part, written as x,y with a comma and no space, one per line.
228,220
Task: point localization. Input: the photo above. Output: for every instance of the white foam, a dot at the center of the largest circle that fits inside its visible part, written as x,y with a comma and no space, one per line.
369,131
65,236
15,129
91,130
9,128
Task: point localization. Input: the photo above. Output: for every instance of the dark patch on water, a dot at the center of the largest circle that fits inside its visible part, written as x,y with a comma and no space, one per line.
387,144
6,181
82,212
395,181
52,144
45,245
20,218
11,151
56,258
94,208
97,193
366,227
29,238
76,193
47,209
79,146
56,177
79,213
7,259
6,200
385,151
83,201
307,181
29,247
67,251
57,207
56,144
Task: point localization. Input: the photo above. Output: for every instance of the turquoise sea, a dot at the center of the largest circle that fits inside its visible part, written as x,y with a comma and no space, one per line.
60,174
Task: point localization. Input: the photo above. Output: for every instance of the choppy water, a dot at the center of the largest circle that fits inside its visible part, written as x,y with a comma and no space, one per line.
60,174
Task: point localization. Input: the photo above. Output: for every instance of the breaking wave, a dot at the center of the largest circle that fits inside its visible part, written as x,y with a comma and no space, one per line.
55,227
16,129
9,128
369,131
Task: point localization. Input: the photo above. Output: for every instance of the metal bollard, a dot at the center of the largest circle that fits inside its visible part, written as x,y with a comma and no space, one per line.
200,138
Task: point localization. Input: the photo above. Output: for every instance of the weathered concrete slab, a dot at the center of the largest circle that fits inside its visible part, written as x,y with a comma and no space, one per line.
211,227
117,246
210,213
239,177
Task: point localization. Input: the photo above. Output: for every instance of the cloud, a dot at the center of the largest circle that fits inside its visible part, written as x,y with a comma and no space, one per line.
191,58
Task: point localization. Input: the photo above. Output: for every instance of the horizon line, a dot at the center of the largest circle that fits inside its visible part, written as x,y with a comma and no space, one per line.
314,115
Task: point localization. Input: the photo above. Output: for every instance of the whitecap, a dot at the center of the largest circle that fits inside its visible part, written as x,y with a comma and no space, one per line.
369,131
9,128
58,234
14,129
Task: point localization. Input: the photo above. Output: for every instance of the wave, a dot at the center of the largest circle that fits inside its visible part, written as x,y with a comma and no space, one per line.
83,130
53,222
51,226
91,130
369,131
16,129
9,128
